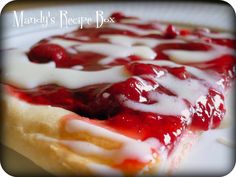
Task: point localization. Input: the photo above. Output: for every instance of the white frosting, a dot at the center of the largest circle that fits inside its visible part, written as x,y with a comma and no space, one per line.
130,41
77,67
112,50
155,24
64,42
186,56
189,89
133,29
143,153
21,72
85,148
220,35
211,77
71,50
108,60
163,105
130,148
74,36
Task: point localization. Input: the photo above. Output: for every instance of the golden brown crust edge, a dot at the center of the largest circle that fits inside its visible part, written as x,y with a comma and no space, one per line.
23,124
34,131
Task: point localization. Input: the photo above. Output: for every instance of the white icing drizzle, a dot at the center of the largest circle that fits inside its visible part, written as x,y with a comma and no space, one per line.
130,41
71,50
64,42
74,36
17,62
189,37
77,67
133,29
143,153
25,74
112,50
108,60
189,89
115,155
20,72
165,102
130,148
84,148
186,56
84,38
210,77
219,35
155,24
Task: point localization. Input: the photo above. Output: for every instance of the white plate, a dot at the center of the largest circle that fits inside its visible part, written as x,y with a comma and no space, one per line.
208,156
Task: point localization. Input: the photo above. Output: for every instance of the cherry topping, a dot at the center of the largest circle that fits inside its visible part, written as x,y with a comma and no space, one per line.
44,53
131,89
171,32
184,32
103,101
118,16
179,72
197,46
142,125
209,111
145,69
226,42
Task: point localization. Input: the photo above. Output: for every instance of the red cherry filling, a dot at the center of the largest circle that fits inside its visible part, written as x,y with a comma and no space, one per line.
209,111
44,53
170,32
131,88
142,125
184,32
226,42
103,101
145,69
191,46
179,72
118,16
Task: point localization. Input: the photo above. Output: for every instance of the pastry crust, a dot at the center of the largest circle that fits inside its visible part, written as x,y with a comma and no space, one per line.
33,131
39,133
22,125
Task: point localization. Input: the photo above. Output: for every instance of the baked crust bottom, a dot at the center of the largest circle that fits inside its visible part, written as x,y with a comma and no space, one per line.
31,130
21,126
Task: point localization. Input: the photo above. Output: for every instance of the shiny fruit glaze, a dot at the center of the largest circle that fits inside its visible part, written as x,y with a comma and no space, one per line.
102,102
